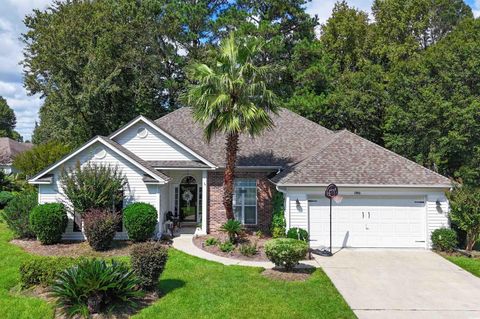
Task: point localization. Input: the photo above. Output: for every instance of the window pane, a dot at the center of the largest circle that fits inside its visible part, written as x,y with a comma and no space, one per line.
250,212
245,182
237,212
250,196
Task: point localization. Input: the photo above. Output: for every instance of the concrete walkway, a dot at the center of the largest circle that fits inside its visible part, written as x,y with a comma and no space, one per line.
184,242
413,284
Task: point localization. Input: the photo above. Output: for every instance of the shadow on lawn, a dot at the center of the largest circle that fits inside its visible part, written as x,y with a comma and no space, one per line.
169,285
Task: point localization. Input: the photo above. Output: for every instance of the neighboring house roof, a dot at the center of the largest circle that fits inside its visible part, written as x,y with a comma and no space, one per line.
177,164
348,159
288,141
10,148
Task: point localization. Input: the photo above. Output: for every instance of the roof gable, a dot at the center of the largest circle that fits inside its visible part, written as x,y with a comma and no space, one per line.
348,159
155,144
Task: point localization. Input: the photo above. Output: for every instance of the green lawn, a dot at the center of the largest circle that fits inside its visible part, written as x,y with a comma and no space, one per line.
469,264
197,288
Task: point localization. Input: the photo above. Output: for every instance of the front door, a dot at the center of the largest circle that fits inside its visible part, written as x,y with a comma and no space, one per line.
188,202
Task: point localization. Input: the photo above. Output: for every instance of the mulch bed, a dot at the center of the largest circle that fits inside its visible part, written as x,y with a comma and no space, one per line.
298,274
235,254
460,253
119,313
73,248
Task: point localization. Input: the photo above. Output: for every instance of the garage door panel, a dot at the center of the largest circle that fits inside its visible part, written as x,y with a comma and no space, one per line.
369,222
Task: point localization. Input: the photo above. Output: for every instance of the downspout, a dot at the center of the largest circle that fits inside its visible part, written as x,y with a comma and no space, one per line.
286,204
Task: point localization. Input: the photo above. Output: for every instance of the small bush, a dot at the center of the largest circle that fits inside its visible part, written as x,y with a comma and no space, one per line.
286,252
43,270
93,285
48,222
226,246
259,234
100,227
140,221
232,228
148,261
444,239
5,197
211,241
17,214
297,233
248,249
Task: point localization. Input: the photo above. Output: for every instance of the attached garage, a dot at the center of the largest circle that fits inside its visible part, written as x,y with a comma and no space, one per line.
369,222
387,201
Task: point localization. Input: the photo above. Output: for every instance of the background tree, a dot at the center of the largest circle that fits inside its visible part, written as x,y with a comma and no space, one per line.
39,157
465,212
230,96
98,64
8,121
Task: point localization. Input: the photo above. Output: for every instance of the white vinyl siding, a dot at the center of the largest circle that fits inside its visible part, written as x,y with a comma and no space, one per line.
135,191
437,215
153,147
245,201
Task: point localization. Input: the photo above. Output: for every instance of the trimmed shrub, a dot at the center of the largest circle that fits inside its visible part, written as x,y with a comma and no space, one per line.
232,228
100,227
226,246
140,221
148,261
248,249
5,197
286,252
93,186
48,222
211,241
17,214
43,270
444,239
95,285
297,233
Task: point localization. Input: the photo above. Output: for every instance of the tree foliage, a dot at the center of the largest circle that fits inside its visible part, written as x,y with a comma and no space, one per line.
406,79
39,157
8,120
465,212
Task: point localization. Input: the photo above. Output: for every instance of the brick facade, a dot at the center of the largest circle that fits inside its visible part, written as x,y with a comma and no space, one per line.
216,211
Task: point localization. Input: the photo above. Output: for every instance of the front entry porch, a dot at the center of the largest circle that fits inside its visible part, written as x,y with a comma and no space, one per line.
185,198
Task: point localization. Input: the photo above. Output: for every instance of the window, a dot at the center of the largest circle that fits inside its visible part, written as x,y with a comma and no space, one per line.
245,201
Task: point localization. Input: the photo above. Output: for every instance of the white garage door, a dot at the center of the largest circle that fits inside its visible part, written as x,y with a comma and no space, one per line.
369,222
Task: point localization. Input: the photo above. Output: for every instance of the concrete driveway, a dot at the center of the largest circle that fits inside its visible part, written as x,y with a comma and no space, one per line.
402,284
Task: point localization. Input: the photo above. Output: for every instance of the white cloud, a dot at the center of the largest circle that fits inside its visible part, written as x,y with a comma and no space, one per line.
476,8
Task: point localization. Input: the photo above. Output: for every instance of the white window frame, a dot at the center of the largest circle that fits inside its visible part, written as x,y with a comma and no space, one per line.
243,200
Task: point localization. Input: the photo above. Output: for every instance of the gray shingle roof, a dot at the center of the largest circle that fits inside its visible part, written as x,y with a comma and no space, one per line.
177,164
289,141
349,159
10,148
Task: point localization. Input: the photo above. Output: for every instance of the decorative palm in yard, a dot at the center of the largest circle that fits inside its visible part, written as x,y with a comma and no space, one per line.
230,96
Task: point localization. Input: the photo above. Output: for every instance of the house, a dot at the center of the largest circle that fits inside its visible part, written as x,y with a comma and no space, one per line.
8,150
385,200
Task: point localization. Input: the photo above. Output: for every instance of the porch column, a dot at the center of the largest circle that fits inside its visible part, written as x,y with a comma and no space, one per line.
204,202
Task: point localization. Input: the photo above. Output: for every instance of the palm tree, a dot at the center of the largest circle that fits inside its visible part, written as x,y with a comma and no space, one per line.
230,96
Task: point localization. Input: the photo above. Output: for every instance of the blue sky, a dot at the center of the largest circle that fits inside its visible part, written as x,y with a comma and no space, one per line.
11,26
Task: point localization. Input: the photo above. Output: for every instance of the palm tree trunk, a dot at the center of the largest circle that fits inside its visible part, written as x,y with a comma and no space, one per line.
229,175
